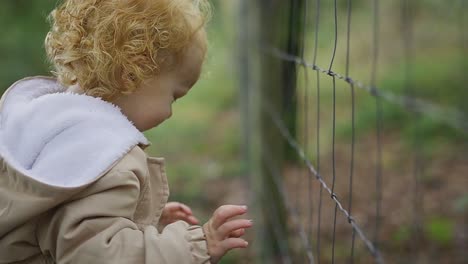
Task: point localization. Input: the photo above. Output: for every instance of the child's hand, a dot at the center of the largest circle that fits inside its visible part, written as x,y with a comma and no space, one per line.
175,211
223,234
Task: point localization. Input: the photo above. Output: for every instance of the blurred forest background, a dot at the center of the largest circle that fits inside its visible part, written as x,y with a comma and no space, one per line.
202,141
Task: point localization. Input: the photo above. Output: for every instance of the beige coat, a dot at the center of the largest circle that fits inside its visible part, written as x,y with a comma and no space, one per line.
95,199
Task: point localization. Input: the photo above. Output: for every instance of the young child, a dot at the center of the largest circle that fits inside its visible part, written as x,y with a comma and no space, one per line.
75,183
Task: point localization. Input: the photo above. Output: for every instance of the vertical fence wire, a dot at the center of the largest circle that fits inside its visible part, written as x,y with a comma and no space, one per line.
407,32
351,167
319,209
335,15
378,105
306,128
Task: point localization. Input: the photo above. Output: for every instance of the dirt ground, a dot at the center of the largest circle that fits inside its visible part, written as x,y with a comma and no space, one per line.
419,223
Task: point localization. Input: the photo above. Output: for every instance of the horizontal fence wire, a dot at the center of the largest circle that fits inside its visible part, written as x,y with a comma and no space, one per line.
447,115
279,123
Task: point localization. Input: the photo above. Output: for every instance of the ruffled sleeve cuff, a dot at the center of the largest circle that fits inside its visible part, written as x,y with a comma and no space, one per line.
198,246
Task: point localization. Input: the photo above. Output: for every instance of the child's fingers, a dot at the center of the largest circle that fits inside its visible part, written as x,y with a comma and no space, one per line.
237,233
192,220
173,207
179,215
176,206
225,212
226,228
232,243
185,208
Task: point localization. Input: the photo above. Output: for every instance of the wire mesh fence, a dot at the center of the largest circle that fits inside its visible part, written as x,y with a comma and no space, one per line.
357,107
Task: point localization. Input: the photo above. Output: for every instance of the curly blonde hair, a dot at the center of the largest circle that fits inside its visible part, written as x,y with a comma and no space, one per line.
108,47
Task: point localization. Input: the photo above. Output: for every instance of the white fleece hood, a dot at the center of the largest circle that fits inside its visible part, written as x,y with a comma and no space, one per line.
59,138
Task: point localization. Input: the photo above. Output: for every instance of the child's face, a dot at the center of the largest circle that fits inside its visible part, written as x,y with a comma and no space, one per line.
151,104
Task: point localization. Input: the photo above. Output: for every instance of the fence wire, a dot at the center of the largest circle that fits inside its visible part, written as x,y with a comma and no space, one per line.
280,125
310,239
447,115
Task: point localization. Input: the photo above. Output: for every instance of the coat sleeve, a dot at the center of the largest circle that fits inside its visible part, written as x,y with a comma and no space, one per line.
97,227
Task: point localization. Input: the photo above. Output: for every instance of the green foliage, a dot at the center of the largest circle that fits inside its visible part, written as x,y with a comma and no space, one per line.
437,78
434,82
440,230
24,27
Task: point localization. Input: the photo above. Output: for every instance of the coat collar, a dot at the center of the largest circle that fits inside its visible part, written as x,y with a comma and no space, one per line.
59,138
